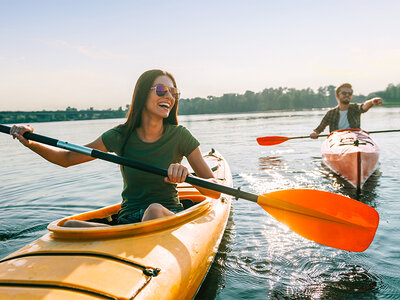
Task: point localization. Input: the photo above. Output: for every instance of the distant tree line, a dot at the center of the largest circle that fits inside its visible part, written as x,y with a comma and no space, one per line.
70,114
390,96
282,98
279,99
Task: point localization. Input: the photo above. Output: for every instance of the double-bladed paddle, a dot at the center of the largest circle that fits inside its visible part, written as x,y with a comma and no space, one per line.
326,218
275,140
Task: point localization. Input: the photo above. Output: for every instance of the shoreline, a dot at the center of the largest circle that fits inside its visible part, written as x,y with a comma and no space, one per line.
18,117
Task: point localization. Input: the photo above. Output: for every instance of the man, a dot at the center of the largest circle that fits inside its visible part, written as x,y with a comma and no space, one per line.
345,115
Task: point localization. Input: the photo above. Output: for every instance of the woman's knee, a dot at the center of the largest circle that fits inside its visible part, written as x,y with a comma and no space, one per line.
71,223
156,208
154,211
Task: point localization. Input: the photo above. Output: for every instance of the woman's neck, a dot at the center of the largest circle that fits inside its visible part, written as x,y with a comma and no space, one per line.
150,130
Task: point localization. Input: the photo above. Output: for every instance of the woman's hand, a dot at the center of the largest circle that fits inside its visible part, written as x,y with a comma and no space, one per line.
17,132
176,173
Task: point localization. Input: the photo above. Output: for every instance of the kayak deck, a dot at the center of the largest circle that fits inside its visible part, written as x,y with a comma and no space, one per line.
166,258
351,154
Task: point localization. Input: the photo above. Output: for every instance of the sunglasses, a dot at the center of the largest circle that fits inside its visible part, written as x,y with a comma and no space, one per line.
346,93
161,90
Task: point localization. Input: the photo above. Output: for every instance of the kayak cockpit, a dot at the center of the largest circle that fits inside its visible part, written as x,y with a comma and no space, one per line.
195,204
198,203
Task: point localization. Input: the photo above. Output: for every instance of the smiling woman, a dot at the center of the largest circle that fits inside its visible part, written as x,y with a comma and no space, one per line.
150,134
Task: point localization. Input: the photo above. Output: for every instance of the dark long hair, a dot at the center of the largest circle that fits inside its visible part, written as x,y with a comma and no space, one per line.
139,98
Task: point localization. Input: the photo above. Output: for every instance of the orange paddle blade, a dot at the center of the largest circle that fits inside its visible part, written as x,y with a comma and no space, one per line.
326,218
271,140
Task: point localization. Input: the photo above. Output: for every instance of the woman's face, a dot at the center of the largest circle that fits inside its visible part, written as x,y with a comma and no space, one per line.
160,106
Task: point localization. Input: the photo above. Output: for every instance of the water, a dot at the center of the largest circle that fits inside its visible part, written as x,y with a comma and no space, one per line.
259,258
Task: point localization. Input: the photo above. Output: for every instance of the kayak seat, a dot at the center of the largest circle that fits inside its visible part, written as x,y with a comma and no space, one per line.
110,220
192,194
188,199
187,203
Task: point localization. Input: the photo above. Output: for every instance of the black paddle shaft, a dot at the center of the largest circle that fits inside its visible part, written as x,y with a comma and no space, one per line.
132,163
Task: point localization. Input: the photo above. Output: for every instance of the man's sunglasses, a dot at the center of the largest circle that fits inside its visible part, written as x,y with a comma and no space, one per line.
161,90
346,93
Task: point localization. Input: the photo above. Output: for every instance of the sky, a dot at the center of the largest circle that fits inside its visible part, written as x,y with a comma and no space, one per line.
89,53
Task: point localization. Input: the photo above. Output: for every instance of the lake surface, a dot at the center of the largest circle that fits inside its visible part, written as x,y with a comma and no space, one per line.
259,258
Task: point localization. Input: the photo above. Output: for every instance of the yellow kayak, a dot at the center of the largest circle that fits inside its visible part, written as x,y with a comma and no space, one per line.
166,258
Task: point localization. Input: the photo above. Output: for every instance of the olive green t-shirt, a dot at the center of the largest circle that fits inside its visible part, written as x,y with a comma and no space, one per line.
142,188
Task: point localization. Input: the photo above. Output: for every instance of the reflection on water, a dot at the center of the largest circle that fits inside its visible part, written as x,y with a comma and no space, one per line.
259,257
353,278
249,117
269,162
344,282
366,195
215,279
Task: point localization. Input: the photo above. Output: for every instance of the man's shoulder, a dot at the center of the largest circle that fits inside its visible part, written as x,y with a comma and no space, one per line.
333,110
355,106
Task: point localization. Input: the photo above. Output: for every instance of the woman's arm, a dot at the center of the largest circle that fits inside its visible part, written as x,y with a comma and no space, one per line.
61,157
201,168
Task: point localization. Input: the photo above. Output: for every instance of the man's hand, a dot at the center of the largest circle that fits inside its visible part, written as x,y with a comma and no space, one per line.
314,135
377,101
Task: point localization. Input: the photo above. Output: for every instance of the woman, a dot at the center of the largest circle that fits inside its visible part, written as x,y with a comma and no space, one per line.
150,134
